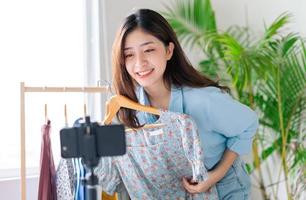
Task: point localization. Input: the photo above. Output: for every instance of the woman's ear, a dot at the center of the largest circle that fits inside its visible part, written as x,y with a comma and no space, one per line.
169,50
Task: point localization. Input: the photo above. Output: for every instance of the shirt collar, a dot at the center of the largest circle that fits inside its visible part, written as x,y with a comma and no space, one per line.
143,99
176,98
142,96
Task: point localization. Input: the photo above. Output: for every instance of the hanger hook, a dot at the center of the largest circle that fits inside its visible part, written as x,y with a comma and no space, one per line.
107,84
85,110
65,114
46,113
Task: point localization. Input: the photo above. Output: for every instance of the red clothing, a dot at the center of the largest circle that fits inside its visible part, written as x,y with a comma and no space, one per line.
47,187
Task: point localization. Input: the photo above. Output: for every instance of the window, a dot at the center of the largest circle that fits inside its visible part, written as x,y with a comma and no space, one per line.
42,43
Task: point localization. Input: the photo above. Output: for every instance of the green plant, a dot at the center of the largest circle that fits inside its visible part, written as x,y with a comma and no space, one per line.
267,73
276,87
189,20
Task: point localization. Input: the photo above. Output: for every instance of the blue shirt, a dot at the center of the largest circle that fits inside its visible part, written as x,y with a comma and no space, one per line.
222,121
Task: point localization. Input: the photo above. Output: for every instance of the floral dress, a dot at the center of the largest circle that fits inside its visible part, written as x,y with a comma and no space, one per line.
156,161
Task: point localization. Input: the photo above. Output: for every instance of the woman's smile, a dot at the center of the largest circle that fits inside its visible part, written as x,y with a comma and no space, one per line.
145,73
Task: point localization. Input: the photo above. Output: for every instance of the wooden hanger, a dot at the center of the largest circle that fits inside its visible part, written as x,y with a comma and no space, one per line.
46,113
85,110
47,121
118,101
65,115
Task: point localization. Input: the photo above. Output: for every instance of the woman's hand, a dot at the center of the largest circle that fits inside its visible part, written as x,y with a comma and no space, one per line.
214,175
202,186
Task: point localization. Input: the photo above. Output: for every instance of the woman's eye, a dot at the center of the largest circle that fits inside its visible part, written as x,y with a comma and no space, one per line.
149,50
128,55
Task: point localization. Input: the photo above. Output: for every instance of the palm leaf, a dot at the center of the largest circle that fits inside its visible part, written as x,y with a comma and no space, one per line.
290,95
191,20
276,26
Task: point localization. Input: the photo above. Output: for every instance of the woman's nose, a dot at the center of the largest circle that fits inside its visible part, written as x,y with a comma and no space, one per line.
140,60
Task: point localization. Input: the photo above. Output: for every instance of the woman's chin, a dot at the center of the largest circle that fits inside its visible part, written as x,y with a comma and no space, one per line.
144,83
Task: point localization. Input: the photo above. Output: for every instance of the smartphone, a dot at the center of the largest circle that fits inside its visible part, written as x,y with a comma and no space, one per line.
92,141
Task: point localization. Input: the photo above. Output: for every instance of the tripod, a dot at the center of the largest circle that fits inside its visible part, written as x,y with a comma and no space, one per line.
90,182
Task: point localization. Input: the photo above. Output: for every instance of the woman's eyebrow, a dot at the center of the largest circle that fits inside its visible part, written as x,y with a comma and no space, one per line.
146,43
143,44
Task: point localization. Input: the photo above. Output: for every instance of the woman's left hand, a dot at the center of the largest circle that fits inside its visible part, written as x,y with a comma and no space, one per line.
199,187
213,176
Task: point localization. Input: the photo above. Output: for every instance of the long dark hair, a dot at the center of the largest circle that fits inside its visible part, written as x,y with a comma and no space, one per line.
179,70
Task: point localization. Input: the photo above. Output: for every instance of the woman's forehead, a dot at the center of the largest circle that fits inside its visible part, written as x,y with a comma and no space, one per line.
139,38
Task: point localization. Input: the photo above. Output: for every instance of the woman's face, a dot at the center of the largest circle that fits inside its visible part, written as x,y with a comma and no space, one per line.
146,58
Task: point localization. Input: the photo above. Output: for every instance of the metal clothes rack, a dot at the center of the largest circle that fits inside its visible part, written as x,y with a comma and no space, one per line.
25,89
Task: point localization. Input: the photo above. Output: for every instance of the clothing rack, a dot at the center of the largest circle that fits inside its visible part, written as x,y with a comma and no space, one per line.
26,89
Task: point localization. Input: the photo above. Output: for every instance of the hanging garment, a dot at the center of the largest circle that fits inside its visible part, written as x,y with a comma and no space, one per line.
65,180
79,171
47,187
67,185
156,160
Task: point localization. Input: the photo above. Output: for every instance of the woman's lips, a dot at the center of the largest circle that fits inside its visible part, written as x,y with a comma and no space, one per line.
145,73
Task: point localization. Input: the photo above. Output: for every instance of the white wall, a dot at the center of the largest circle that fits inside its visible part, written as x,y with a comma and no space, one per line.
10,188
259,11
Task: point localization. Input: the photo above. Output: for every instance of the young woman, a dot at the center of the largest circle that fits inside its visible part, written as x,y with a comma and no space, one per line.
150,67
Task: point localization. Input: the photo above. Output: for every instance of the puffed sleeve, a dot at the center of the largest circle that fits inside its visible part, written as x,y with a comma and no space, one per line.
192,148
108,175
234,120
194,153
